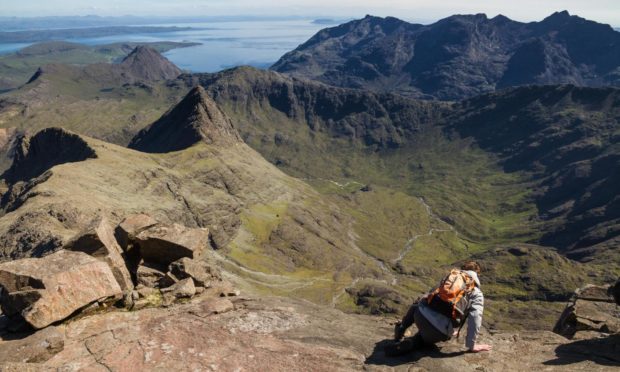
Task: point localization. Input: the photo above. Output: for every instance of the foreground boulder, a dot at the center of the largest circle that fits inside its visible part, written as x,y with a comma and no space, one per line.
183,289
98,241
166,244
153,276
131,226
201,271
283,334
49,289
591,309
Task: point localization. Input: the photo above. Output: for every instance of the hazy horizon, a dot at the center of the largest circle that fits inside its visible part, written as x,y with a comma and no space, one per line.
423,11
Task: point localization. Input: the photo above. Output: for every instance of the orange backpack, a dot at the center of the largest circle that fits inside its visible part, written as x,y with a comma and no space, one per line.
447,298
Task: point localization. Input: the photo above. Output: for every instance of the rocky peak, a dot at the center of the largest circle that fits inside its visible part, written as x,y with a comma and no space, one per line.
33,155
457,57
148,64
196,118
562,16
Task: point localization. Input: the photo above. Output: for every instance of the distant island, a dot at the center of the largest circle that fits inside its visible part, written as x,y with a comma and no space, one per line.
74,33
18,67
328,21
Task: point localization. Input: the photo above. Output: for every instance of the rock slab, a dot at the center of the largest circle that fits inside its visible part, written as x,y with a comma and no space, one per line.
131,226
49,289
202,272
166,244
98,241
36,348
592,309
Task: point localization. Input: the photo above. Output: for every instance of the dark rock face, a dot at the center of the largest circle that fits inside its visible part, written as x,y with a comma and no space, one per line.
590,310
379,121
196,118
615,292
564,136
458,57
166,244
47,148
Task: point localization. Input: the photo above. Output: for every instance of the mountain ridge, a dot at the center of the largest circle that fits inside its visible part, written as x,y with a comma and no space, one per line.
196,118
459,56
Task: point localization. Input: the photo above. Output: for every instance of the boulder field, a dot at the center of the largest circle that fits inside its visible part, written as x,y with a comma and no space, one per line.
68,311
93,271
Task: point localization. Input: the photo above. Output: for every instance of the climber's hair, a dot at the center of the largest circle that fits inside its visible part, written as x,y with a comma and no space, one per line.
471,265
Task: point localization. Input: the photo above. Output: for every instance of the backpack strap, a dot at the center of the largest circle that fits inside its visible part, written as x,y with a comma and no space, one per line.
458,333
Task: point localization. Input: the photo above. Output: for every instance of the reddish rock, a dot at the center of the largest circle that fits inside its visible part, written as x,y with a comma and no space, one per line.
201,271
211,306
98,241
183,289
49,289
166,244
150,275
36,348
131,226
222,289
591,309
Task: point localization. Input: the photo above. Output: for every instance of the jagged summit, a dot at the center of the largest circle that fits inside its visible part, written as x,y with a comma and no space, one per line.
148,64
33,155
458,57
196,118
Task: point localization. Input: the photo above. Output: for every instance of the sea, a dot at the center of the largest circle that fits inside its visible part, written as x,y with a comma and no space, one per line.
222,44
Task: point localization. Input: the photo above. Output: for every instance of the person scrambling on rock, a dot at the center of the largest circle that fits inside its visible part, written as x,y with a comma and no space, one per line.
438,314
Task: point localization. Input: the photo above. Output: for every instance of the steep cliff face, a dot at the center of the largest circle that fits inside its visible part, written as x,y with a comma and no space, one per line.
33,155
460,56
566,138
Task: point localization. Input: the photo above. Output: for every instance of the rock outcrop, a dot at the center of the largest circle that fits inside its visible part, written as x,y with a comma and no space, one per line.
203,273
36,348
182,289
166,244
150,275
33,155
98,241
196,118
131,226
591,310
49,289
279,334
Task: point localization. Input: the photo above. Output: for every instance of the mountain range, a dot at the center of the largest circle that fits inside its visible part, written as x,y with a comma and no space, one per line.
458,57
324,178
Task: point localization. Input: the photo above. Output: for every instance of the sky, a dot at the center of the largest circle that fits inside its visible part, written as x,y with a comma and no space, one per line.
606,11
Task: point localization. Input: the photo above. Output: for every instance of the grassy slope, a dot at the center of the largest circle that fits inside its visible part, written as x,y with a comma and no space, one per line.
112,114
